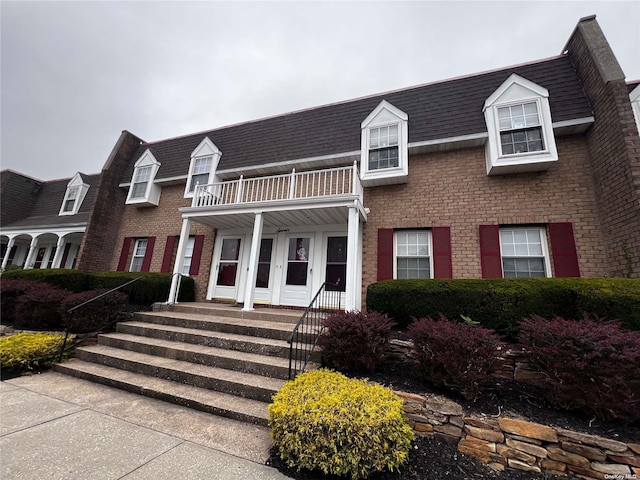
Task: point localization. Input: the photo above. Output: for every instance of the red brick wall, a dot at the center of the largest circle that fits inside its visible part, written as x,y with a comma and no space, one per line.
452,189
161,222
614,147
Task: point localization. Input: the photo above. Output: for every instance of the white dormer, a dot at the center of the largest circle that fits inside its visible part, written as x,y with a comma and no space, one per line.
202,169
384,157
142,191
520,130
634,98
73,197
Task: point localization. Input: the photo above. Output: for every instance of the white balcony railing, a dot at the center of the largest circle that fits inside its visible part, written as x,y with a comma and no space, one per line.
312,184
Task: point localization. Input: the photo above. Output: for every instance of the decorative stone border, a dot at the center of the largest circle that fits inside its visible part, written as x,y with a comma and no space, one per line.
520,444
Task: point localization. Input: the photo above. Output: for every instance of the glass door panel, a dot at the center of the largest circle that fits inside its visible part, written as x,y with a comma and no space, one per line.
298,261
336,270
264,263
228,267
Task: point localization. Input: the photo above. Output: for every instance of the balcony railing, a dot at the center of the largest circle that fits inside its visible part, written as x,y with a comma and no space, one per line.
313,184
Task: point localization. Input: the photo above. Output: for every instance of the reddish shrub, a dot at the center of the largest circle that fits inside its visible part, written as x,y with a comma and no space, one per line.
39,309
354,341
93,315
460,356
588,365
10,290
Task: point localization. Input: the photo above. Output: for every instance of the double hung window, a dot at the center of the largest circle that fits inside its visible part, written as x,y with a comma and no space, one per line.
139,251
383,147
413,254
201,171
520,129
523,252
140,183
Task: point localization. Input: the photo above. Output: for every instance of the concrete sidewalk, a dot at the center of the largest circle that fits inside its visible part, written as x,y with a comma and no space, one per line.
58,427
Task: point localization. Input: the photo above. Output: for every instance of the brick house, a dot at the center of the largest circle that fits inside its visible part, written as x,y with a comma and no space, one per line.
530,170
43,222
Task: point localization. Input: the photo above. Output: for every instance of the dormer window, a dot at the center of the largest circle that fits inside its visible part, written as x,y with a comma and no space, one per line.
519,125
73,197
142,191
202,170
384,158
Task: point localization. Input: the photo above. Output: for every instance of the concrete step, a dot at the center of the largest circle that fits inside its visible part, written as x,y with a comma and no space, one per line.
222,310
217,403
232,382
274,367
229,341
254,328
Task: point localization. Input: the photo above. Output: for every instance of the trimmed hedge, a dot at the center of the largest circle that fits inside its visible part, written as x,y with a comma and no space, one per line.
153,287
501,304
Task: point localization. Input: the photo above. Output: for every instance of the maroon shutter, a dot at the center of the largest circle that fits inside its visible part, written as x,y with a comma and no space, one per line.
146,261
441,239
168,254
563,250
385,253
198,242
490,258
65,255
124,254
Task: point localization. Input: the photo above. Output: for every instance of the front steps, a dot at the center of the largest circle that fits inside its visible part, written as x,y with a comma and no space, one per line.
213,358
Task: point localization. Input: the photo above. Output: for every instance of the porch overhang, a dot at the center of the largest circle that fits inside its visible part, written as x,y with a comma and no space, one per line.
279,213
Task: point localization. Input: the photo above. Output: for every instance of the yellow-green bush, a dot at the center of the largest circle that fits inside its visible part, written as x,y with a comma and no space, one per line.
324,420
30,351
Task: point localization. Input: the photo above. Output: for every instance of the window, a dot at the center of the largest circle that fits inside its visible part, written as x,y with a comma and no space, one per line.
520,132
201,170
384,154
204,161
140,182
142,190
188,256
523,252
413,254
520,129
74,195
139,251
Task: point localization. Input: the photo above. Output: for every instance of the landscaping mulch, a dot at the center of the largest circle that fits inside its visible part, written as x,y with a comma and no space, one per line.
433,459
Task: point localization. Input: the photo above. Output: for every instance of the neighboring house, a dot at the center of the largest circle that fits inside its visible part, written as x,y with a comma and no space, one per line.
530,170
43,222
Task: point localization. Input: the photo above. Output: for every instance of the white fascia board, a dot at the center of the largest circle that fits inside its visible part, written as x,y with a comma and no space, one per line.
60,230
459,139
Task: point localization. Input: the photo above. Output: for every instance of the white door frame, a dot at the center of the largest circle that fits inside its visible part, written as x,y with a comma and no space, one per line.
226,292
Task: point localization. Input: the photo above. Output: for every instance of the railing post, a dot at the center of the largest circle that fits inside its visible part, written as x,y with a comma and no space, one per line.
240,188
292,184
354,177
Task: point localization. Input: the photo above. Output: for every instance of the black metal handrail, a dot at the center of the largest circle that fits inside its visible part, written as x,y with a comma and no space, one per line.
73,344
305,334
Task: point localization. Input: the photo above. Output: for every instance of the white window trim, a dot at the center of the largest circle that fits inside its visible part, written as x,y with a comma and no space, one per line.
395,249
514,91
385,115
134,256
83,188
152,192
206,148
634,98
543,242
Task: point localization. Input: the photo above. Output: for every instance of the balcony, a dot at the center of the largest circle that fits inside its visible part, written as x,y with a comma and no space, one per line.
296,198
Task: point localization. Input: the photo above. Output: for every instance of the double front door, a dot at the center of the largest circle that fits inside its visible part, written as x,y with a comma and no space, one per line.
285,274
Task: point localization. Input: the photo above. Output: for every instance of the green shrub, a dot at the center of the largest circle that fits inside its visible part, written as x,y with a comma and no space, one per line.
30,351
501,304
72,280
95,314
326,421
354,341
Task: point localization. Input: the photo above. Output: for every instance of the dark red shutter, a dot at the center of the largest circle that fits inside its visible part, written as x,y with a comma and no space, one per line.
168,254
563,250
198,242
490,258
124,254
65,255
146,261
385,253
441,239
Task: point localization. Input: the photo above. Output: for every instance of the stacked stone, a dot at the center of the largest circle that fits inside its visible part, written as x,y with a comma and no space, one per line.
520,444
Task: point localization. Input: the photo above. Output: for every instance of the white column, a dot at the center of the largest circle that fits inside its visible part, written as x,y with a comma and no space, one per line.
5,259
33,248
177,268
254,256
351,293
59,251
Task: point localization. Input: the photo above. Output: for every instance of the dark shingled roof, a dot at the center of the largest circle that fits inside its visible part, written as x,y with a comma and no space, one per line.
46,205
438,110
632,84
18,194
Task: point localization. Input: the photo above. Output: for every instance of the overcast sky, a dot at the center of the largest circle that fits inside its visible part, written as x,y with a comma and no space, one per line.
75,74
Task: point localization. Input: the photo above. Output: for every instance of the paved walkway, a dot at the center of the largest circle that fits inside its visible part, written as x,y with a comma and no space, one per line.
53,426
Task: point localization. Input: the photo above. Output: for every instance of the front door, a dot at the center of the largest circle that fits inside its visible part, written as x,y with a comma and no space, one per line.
226,274
264,278
296,288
